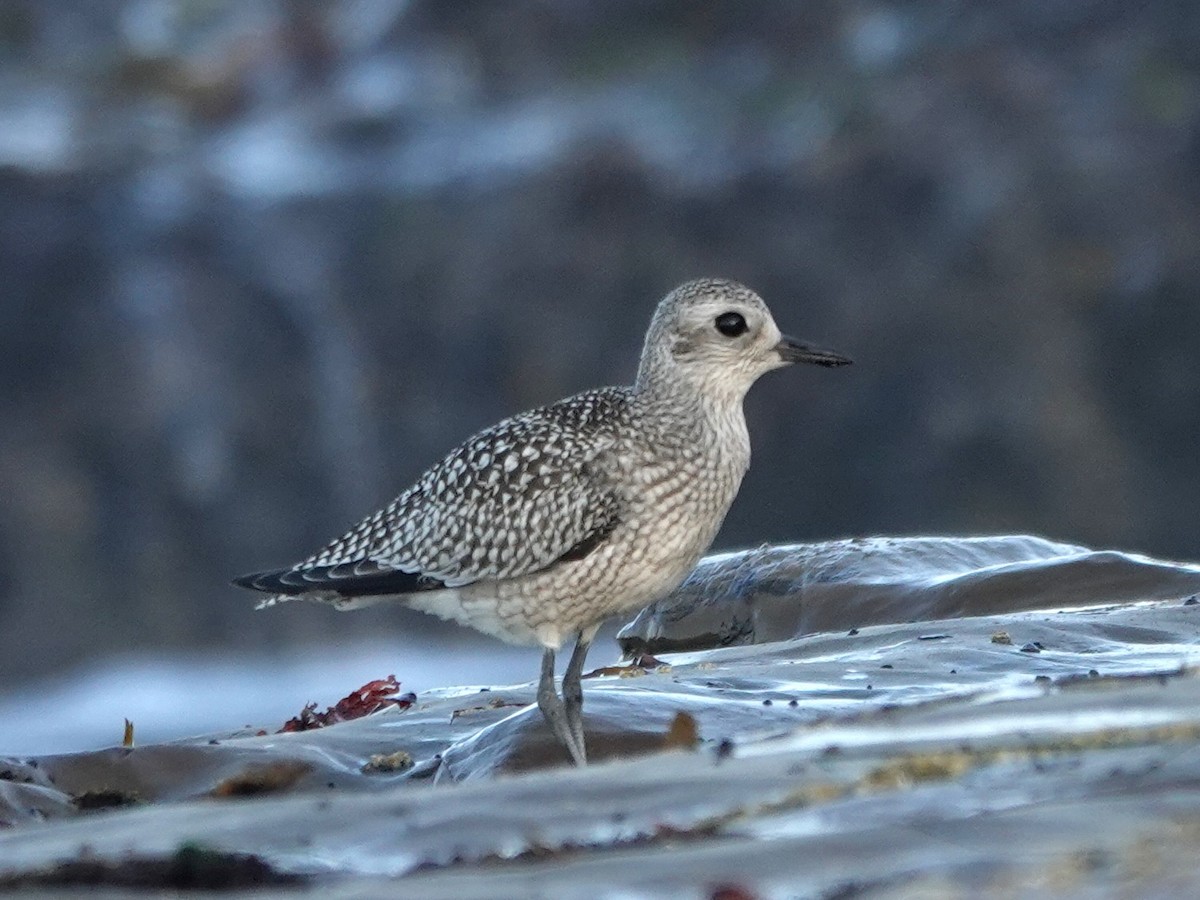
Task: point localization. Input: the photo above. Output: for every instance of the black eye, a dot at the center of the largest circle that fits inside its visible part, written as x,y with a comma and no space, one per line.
731,324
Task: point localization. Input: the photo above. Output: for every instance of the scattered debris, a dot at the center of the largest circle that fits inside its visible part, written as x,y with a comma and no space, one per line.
371,697
255,780
399,761
105,799
26,772
731,892
905,771
635,668
191,867
494,703
684,733
647,661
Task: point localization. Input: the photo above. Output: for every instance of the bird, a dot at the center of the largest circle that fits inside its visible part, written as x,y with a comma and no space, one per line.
539,528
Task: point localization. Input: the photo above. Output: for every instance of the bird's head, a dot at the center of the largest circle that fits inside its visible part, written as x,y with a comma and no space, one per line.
718,336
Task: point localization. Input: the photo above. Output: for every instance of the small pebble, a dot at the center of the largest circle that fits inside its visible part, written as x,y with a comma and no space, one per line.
933,637
1041,678
766,703
1092,673
1033,647
1001,637
954,671
853,631
886,666
1192,600
793,703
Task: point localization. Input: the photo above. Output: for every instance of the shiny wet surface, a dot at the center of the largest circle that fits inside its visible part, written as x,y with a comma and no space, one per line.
972,715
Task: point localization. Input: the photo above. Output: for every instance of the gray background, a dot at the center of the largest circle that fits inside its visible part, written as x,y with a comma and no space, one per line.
261,263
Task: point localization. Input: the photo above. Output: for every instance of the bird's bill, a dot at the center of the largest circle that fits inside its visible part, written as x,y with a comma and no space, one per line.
792,350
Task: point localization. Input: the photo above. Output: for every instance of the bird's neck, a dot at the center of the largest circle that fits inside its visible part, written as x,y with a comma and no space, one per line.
712,415
659,381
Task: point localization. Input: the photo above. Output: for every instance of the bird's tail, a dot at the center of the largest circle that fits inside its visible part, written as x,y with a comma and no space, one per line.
272,583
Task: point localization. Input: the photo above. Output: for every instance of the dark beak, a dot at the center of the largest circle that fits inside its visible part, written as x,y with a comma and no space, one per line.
795,351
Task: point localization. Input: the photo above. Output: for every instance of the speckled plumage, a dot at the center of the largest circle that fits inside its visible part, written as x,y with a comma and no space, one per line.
536,529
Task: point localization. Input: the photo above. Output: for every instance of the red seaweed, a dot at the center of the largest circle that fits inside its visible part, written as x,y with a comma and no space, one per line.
371,697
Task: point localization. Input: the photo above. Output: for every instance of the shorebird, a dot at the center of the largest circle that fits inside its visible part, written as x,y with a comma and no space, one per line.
537,529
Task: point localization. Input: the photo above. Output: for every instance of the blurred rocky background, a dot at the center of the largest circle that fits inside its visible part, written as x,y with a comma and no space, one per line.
262,262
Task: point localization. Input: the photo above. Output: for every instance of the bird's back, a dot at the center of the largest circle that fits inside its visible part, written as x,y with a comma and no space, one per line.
513,499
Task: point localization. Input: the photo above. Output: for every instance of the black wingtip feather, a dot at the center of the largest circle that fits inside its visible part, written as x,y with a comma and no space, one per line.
270,582
341,579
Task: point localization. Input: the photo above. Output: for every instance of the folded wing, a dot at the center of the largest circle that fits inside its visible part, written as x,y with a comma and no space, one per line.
530,492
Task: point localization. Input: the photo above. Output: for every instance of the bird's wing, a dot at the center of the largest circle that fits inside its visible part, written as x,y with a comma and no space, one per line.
517,498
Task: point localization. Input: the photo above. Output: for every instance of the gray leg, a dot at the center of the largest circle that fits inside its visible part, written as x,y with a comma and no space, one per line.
572,689
552,709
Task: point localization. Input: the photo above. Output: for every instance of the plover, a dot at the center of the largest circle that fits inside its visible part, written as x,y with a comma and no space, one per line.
537,529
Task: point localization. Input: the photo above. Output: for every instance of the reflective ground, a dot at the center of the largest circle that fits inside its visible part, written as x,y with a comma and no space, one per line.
974,716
